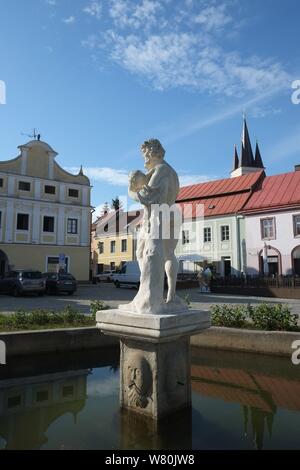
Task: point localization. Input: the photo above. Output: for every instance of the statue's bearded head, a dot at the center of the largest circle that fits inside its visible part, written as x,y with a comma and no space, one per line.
139,380
153,153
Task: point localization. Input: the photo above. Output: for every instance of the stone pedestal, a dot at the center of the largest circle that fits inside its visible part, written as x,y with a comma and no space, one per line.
155,358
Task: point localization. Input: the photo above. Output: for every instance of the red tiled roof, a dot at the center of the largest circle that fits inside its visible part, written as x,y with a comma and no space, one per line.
276,192
220,197
219,187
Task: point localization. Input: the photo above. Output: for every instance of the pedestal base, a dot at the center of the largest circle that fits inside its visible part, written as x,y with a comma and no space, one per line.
155,358
155,377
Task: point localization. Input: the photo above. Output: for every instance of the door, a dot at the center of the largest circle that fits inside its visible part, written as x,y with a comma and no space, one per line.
297,266
226,266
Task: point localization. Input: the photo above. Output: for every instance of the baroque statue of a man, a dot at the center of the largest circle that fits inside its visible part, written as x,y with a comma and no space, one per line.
157,191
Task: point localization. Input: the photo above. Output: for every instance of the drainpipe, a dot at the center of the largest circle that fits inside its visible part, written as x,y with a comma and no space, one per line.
238,241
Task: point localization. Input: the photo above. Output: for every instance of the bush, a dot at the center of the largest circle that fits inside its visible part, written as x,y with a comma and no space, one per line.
234,316
268,317
273,317
21,320
97,305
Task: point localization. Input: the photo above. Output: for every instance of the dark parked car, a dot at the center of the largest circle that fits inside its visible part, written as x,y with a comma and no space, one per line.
60,282
19,282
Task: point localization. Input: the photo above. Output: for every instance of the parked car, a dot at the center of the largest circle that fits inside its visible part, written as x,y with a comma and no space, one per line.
107,276
19,282
60,282
129,275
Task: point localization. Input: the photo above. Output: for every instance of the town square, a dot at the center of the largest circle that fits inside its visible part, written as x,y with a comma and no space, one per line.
150,229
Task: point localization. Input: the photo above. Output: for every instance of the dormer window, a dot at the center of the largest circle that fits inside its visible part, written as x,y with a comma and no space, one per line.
73,193
24,186
49,189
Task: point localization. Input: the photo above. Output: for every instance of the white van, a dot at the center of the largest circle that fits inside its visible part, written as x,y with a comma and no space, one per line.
129,275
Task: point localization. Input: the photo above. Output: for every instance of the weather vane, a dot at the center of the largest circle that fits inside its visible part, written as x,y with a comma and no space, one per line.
35,135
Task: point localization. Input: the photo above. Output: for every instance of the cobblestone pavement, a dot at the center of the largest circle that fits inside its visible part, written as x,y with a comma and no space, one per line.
113,297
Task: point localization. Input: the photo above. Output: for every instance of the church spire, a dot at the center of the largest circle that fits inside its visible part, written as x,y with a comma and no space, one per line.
258,160
247,159
235,159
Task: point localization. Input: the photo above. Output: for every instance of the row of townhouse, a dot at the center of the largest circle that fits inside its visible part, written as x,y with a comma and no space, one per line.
246,224
45,214
250,223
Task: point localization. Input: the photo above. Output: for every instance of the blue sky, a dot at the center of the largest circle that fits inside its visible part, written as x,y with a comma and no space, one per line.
97,78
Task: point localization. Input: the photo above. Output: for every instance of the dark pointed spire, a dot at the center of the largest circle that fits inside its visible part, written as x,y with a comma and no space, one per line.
258,160
247,159
81,171
235,159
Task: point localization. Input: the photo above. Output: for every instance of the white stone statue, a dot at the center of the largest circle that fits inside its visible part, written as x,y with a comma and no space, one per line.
157,192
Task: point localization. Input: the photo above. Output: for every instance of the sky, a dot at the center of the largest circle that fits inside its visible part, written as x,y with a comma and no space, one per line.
97,78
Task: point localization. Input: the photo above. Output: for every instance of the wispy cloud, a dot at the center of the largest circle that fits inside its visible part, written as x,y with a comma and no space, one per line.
183,47
133,14
52,3
70,20
115,177
213,17
119,177
94,9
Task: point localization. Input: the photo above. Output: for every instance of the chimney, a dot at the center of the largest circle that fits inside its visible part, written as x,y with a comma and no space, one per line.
297,167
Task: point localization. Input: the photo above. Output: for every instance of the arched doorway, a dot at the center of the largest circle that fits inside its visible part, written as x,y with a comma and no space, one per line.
270,259
3,263
296,260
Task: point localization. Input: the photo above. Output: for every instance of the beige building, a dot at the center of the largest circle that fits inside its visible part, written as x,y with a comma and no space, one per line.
45,214
114,240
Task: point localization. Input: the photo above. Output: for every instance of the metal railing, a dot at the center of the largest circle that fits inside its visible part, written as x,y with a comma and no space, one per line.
289,282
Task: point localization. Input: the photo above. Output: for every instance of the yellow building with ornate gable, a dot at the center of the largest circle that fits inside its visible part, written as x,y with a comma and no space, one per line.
114,240
45,214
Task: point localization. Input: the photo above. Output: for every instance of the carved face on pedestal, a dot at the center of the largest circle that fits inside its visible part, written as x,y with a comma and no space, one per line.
153,153
139,380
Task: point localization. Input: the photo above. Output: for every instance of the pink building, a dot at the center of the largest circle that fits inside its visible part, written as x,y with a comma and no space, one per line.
272,226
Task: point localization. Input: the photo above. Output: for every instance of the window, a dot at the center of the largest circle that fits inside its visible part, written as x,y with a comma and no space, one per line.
124,246
42,395
113,247
0,218
1,182
207,234
68,391
100,268
73,226
22,222
101,247
268,228
48,225
49,189
224,233
113,266
73,193
24,186
296,225
185,237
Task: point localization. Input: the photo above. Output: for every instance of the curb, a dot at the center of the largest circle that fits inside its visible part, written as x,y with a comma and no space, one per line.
49,341
278,343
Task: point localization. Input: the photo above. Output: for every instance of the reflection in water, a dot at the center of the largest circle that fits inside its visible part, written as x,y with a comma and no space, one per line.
260,384
140,432
36,403
240,401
